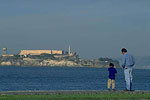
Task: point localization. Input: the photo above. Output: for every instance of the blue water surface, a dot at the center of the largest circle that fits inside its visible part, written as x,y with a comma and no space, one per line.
65,78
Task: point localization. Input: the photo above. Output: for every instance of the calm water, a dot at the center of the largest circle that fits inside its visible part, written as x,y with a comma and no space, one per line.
50,78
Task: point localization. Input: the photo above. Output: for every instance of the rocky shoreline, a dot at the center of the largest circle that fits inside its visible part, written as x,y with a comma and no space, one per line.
51,61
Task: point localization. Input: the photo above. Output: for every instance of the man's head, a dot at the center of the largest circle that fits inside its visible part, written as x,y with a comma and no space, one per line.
111,65
123,50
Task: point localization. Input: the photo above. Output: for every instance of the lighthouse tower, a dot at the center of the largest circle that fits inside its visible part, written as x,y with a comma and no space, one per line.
69,51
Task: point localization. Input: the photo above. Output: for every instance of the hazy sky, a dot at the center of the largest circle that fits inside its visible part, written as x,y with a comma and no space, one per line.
93,28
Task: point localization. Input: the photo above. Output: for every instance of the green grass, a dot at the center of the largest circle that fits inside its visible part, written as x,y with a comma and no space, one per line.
111,96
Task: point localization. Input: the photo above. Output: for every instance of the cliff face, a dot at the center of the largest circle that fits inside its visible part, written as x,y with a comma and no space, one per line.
72,61
33,62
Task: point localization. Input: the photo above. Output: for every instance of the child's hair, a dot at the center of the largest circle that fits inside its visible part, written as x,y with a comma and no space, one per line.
111,64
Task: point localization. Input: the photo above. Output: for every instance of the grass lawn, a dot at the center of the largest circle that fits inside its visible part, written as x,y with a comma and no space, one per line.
103,96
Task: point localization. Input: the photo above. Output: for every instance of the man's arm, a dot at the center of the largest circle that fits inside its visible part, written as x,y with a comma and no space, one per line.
123,61
133,60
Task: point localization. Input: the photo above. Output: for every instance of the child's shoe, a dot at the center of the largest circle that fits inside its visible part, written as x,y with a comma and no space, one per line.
113,90
108,89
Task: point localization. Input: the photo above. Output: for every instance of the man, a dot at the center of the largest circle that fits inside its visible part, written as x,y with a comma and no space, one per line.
128,62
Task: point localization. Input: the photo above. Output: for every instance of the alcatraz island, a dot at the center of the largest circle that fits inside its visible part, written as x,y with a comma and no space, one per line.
50,58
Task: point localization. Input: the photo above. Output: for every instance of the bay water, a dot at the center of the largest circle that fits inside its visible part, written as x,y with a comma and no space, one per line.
67,78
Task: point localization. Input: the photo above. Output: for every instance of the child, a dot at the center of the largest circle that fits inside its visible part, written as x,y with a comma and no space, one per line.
112,74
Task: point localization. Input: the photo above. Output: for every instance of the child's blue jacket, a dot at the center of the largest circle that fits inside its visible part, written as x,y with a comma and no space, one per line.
112,72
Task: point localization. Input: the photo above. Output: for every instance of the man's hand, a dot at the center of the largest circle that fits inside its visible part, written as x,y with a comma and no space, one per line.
123,66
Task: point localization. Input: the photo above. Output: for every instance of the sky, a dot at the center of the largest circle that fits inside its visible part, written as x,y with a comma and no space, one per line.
93,28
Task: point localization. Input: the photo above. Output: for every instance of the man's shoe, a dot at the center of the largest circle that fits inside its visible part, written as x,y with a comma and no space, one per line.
132,90
126,90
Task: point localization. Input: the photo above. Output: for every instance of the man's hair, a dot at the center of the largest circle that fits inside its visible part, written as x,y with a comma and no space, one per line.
111,64
123,50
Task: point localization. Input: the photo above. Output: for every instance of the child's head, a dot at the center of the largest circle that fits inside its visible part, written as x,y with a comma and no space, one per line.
111,65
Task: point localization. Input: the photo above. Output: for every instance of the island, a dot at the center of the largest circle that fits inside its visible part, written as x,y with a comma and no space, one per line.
52,58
